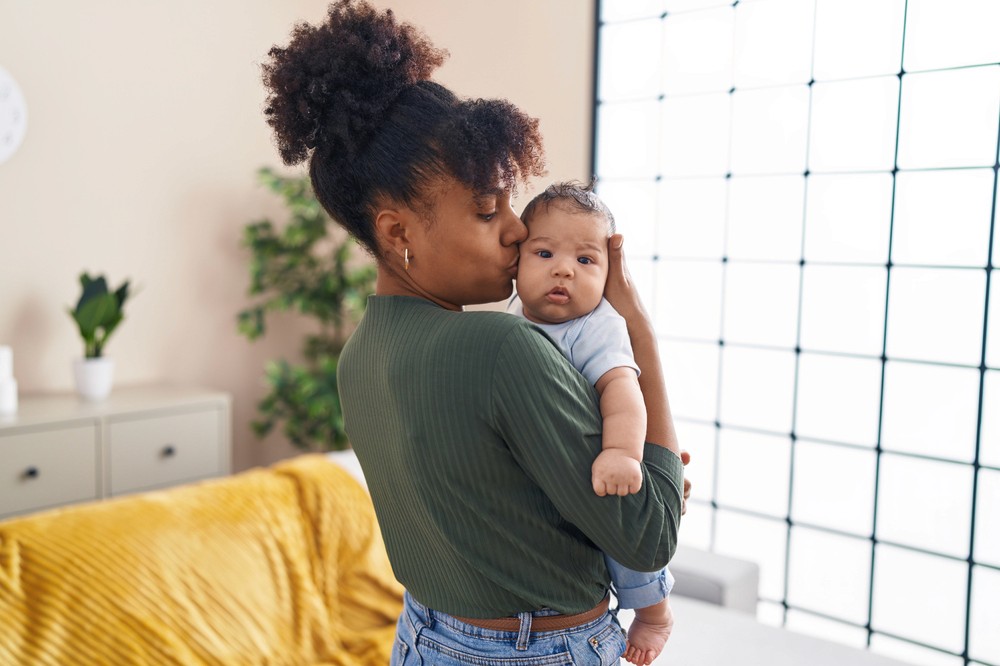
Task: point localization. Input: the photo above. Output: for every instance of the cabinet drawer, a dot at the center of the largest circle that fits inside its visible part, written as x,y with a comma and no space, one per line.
44,469
162,450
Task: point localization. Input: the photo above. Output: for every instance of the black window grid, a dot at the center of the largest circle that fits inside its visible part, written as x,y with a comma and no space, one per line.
714,504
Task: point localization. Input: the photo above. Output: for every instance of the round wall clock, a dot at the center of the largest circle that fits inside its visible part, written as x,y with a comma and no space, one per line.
13,115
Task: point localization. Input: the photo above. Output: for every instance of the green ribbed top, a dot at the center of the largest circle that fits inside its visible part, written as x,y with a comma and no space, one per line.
476,437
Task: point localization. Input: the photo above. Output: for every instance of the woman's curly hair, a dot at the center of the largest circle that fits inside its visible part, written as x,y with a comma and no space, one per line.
353,96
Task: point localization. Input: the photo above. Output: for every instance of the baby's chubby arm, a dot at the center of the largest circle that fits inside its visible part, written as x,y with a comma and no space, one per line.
616,470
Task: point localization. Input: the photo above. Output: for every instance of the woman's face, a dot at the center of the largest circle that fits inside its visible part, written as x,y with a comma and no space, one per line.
466,252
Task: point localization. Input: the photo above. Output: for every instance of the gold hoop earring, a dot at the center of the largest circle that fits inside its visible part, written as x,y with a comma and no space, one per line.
406,258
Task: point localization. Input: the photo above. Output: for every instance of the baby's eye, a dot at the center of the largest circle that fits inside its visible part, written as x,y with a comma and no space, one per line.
544,254
585,260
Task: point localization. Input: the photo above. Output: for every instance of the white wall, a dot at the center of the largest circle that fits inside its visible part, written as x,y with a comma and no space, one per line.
144,133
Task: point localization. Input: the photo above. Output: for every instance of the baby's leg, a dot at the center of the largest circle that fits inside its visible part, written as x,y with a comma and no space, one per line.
648,594
649,632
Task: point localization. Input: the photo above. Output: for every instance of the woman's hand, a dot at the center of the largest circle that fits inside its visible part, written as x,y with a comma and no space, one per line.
620,289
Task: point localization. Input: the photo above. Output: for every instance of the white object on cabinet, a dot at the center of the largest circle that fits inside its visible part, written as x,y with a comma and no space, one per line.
59,450
8,385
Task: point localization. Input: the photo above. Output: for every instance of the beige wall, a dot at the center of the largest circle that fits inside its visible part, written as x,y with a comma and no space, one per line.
144,133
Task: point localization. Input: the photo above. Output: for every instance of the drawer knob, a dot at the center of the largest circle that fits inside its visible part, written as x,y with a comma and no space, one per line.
168,451
31,473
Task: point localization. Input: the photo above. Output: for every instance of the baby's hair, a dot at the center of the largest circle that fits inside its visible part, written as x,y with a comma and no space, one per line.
353,96
578,197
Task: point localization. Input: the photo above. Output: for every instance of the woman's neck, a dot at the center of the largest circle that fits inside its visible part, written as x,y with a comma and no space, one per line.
389,282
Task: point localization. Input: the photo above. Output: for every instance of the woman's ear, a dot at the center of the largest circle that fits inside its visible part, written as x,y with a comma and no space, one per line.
393,226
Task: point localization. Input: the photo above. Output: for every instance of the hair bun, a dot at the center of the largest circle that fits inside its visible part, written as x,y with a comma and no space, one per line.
331,86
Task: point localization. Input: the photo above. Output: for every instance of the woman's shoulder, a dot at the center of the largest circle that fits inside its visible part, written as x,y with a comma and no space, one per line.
483,334
500,328
490,336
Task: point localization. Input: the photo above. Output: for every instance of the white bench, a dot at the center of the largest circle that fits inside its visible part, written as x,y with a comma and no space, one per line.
715,604
716,579
709,635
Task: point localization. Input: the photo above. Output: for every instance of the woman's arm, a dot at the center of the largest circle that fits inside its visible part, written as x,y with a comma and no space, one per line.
548,416
620,292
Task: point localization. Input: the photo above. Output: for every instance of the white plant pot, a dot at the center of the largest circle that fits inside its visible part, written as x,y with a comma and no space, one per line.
93,377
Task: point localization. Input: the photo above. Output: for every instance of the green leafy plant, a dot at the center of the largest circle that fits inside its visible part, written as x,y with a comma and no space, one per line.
98,312
302,268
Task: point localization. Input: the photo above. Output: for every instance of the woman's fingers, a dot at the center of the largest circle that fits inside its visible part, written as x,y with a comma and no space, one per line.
620,289
618,275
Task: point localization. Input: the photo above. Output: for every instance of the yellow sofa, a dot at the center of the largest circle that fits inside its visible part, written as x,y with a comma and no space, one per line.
274,566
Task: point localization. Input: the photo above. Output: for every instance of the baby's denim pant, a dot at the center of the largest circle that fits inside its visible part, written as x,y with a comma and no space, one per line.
638,589
426,637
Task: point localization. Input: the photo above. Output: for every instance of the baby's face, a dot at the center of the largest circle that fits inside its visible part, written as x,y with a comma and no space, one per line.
563,265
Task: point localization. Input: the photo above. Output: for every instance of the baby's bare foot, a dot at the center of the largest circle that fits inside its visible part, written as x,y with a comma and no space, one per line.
646,641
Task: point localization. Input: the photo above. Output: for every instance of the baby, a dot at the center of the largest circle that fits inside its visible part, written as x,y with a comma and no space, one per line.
560,287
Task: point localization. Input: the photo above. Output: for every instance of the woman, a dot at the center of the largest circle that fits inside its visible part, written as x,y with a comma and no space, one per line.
475,434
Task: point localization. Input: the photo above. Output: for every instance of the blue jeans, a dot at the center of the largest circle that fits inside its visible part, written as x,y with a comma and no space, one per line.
426,637
638,589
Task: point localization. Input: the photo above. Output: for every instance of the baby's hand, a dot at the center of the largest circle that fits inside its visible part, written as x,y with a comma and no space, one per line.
616,473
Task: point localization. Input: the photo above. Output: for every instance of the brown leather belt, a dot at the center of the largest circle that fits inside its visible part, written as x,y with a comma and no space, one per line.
541,622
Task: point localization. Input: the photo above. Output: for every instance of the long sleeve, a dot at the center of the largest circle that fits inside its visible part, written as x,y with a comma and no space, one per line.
548,415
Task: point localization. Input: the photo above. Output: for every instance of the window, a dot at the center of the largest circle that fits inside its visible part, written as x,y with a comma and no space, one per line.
808,190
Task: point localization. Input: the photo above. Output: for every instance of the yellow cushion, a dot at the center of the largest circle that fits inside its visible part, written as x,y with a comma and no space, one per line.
275,566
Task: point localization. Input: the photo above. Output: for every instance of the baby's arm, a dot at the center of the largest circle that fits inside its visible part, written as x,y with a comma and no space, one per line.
616,471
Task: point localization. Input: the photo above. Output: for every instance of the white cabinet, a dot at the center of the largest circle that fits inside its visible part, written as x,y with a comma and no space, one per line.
39,469
58,450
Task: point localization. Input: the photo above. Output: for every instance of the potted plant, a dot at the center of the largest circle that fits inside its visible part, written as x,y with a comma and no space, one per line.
304,268
97,315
